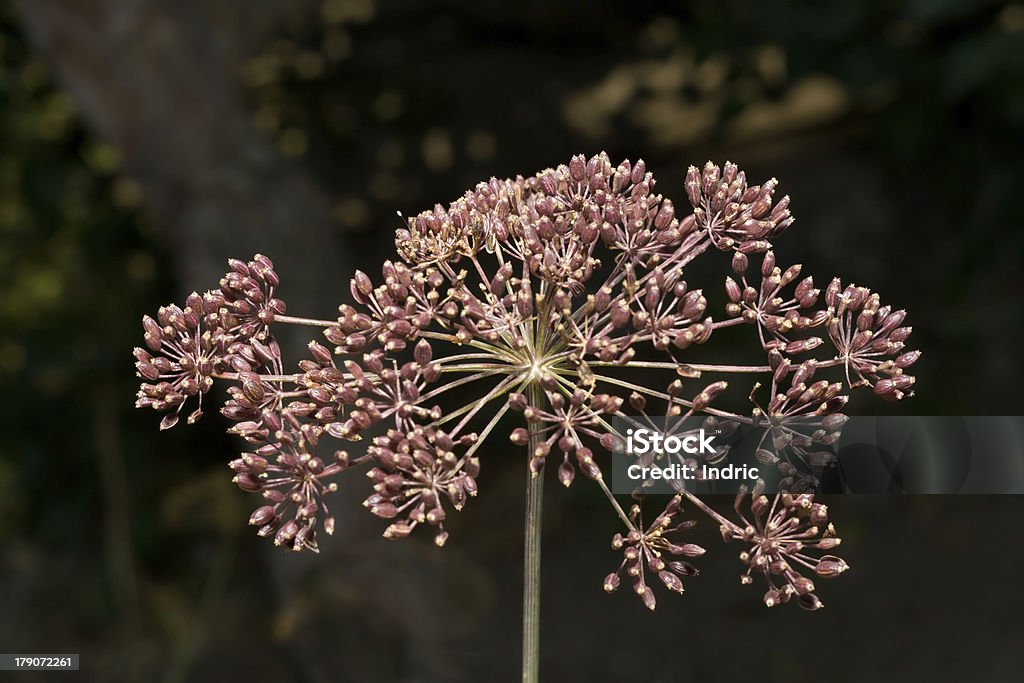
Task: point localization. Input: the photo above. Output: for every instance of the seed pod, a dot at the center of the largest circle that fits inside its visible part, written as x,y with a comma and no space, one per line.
732,289
566,473
577,168
422,352
701,401
907,359
830,566
790,274
647,596
671,581
286,534
809,602
262,516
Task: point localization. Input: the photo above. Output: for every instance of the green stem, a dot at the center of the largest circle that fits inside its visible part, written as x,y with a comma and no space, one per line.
531,562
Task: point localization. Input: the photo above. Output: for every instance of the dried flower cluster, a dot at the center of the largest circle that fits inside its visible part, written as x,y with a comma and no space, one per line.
645,550
543,299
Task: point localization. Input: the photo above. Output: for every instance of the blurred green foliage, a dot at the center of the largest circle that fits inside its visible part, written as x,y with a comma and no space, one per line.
75,256
918,82
79,262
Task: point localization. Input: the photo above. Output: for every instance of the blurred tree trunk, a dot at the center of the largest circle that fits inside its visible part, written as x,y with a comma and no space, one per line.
157,80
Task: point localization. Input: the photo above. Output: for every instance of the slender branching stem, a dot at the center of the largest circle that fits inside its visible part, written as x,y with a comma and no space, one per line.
709,512
312,322
233,376
702,367
531,560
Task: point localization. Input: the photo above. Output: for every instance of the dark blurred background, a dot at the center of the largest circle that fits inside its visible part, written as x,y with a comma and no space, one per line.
142,142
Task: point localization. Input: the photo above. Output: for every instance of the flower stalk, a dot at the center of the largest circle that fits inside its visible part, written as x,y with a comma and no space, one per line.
531,557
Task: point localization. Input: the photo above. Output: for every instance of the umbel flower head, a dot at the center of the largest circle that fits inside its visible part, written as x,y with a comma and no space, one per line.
185,350
539,309
651,549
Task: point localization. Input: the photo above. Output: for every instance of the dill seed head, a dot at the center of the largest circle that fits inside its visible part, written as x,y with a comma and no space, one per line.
544,301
